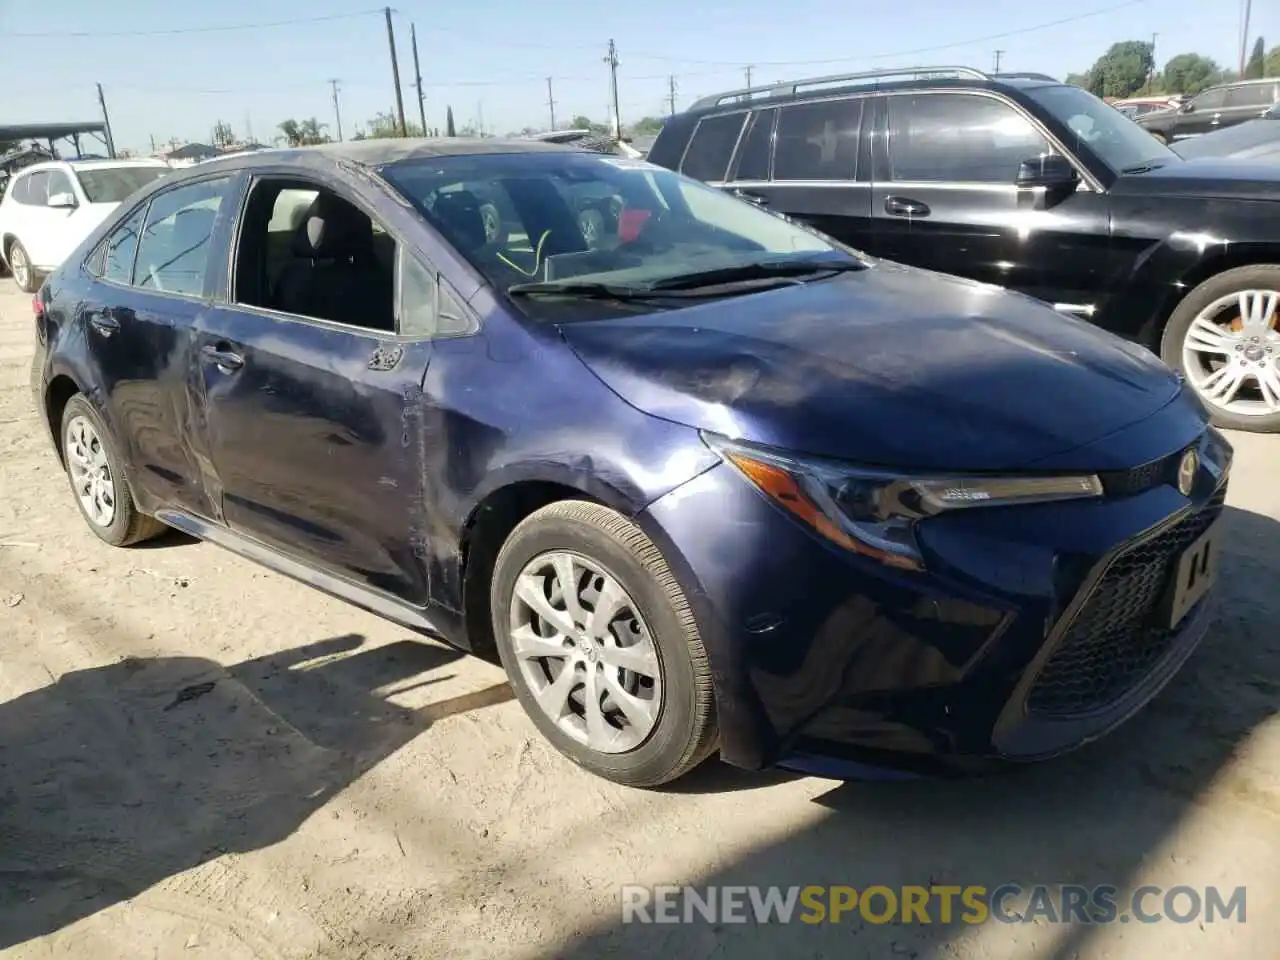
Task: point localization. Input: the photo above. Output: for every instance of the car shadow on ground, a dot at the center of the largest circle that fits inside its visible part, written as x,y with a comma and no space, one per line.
117,777
1093,817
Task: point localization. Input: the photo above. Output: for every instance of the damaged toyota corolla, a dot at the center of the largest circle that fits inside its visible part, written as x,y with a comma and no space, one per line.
701,479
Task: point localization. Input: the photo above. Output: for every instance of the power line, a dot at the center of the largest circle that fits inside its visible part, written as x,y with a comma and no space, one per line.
176,31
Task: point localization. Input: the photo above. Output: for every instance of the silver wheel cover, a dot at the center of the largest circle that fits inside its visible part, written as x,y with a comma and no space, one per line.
1231,353
90,473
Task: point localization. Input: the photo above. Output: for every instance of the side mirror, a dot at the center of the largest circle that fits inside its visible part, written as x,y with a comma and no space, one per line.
63,201
1187,107
1051,171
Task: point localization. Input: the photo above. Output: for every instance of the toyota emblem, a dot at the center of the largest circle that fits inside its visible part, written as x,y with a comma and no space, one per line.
1187,472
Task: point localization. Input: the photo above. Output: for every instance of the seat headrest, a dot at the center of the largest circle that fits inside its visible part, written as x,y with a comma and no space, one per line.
333,229
460,219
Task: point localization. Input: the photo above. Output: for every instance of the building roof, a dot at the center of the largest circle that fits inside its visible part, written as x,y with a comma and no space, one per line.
48,131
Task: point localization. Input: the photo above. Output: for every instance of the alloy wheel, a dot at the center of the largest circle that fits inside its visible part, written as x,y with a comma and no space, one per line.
586,652
19,267
1231,353
90,472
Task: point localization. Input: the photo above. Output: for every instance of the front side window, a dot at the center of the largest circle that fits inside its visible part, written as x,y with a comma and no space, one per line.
659,225
1210,99
114,184
817,141
962,138
58,185
1118,142
711,147
120,247
173,252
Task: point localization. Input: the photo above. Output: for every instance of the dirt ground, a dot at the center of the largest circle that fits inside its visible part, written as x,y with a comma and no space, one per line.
346,790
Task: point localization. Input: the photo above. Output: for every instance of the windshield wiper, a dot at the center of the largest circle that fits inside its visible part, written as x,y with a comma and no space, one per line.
760,270
581,288
1144,167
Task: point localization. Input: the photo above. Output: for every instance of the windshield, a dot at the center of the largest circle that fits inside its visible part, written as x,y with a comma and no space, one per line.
561,218
1118,141
113,184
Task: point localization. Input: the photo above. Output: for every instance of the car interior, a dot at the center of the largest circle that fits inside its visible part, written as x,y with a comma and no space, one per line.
305,250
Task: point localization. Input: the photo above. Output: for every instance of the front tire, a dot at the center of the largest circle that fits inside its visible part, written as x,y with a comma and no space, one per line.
1223,336
97,479
600,645
24,274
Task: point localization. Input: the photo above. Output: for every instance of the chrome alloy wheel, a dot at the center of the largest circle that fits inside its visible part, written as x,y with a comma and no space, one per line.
90,473
1231,353
19,267
585,652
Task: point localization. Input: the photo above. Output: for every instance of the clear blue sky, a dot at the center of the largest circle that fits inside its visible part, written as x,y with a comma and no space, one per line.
494,55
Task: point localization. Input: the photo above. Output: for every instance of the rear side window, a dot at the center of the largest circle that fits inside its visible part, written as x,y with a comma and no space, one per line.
817,141
711,147
757,145
960,138
1249,95
173,253
117,261
32,190
1211,99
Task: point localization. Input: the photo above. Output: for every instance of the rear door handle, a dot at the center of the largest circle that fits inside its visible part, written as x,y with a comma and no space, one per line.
905,207
226,359
104,322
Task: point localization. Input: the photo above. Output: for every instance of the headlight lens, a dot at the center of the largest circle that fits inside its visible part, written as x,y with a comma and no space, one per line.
875,512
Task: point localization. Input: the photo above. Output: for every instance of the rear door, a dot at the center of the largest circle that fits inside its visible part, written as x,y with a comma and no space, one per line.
1205,114
1246,102
313,424
945,199
802,160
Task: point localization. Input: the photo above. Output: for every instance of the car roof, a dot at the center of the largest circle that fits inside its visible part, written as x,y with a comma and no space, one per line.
91,164
380,152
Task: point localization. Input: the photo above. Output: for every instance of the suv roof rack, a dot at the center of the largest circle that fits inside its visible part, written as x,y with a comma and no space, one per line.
1023,76
791,87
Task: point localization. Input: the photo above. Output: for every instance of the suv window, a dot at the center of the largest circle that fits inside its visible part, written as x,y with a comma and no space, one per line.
32,190
965,138
118,251
113,184
1249,95
57,183
1211,99
308,252
173,252
757,145
817,141
713,141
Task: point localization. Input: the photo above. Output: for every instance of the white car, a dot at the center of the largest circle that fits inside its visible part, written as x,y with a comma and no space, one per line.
48,208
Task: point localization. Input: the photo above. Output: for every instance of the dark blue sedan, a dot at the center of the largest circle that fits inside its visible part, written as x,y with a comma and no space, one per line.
702,479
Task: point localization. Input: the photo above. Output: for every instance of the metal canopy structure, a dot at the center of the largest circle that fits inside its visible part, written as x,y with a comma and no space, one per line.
49,132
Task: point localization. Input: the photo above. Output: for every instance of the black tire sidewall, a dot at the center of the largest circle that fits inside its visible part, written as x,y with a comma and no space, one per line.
117,532
1260,276
667,745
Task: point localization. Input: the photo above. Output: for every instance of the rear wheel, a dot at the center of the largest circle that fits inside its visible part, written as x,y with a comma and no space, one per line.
24,274
1223,336
97,479
600,645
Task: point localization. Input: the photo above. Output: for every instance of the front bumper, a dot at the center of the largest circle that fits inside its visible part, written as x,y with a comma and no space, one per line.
1032,632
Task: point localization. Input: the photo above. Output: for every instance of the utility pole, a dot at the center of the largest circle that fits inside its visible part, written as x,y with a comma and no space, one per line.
999,54
748,71
480,117
1245,10
612,60
417,79
671,93
106,124
551,104
337,111
248,128
1151,74
395,72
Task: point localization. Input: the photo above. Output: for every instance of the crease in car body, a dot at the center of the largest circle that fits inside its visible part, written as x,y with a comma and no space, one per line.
547,457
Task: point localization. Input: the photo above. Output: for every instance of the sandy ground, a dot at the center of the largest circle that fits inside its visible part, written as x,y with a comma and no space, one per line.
348,791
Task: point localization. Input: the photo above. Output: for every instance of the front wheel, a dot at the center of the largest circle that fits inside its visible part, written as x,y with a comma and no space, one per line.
24,274
600,645
1223,336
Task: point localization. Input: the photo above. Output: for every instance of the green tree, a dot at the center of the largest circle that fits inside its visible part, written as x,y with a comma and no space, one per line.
646,127
449,129
1272,68
1257,64
1189,73
583,122
222,135
1079,79
385,125
303,133
1122,70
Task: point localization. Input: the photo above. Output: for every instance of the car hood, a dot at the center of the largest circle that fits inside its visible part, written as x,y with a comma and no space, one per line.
1244,141
891,366
1208,177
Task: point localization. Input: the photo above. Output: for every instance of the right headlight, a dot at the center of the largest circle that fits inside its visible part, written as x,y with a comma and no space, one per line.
875,512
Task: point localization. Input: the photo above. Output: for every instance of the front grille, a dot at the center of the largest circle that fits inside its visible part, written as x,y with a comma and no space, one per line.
1126,483
1116,637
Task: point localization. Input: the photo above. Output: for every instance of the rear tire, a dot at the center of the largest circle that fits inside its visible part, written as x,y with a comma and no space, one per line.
1212,303
24,274
654,711
97,479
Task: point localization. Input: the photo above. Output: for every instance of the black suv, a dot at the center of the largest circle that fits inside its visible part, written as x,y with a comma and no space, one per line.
1218,107
1023,182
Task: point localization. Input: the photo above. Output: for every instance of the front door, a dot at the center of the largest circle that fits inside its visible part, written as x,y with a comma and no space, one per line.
1202,115
945,198
313,418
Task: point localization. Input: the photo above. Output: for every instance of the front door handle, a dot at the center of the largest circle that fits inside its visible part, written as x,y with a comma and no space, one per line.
905,207
227,360
752,198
